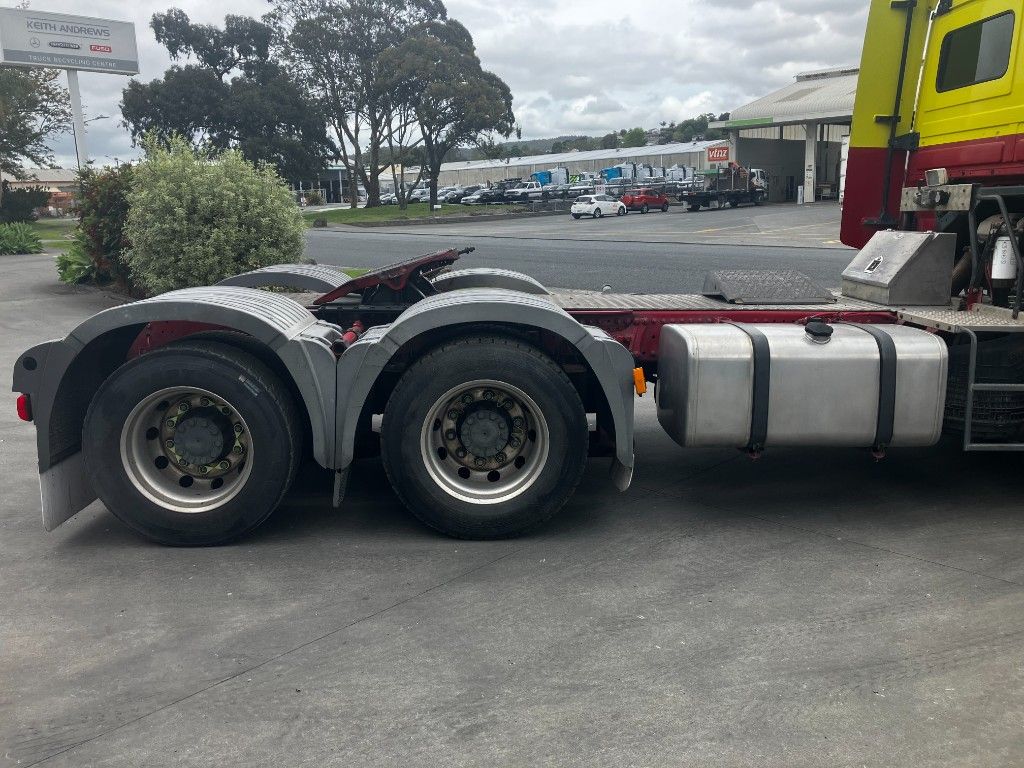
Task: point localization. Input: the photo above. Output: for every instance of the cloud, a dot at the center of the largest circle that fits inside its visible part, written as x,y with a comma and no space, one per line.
577,66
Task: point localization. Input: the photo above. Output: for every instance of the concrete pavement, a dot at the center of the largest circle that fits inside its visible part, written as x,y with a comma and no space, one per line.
812,608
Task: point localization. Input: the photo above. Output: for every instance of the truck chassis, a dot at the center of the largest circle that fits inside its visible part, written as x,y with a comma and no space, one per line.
483,391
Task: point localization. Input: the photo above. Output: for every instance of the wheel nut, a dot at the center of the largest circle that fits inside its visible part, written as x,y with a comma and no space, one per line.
171,423
182,407
488,395
238,449
501,458
223,465
449,434
204,470
460,452
507,405
238,429
453,414
514,441
225,410
479,462
169,443
467,398
518,422
204,401
183,462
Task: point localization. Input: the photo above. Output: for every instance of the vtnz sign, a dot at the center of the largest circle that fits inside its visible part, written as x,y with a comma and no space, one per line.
718,154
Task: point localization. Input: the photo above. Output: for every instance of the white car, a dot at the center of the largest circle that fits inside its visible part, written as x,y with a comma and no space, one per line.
597,206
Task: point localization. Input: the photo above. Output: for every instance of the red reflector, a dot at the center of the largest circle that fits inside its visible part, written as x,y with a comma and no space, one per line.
24,408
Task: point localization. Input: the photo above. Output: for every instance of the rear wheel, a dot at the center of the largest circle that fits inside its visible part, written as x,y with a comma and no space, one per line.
664,208
484,437
192,444
693,208
598,213
620,211
644,208
575,215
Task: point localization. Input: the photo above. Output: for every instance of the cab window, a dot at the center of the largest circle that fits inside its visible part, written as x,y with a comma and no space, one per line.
977,53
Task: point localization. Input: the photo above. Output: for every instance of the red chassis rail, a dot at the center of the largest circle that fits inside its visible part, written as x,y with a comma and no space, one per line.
640,330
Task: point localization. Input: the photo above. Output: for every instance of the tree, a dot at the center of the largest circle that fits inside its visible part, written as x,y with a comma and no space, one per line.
455,100
634,137
234,96
609,141
194,218
33,107
339,48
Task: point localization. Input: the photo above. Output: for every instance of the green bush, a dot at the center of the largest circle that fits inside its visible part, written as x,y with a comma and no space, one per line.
75,265
314,198
18,238
194,220
20,204
102,212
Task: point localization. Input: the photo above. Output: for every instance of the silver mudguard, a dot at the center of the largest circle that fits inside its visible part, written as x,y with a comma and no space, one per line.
363,362
60,384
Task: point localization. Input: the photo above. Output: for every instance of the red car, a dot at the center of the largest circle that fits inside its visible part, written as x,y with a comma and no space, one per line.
644,200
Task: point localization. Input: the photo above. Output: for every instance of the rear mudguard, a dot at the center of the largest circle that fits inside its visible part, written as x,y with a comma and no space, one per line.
61,376
363,362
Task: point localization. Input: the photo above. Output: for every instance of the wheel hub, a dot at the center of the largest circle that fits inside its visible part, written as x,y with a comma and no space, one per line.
485,441
485,432
201,437
186,449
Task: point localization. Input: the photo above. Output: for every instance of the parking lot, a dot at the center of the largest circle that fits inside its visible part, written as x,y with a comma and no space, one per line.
812,608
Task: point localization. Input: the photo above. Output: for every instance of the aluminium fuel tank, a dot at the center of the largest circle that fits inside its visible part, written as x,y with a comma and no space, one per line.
784,384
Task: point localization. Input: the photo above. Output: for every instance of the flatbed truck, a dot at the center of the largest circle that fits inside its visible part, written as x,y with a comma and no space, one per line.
485,393
732,186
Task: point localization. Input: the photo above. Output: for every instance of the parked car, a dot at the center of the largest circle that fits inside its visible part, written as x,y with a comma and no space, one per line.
525,192
644,200
457,194
597,206
389,198
484,196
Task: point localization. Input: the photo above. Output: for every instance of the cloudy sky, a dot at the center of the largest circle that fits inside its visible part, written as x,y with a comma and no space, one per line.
574,66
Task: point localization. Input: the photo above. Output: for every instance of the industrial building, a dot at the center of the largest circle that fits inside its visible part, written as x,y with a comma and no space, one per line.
796,134
464,172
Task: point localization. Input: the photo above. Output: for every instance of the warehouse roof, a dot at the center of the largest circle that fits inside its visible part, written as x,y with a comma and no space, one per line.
825,95
621,155
45,175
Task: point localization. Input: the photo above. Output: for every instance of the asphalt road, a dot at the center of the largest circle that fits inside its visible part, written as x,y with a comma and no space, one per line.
814,608
635,254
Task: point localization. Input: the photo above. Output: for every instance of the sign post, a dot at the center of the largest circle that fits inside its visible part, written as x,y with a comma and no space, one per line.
77,118
75,43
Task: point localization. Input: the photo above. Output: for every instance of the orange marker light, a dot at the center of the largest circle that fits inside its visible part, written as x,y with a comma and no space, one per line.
639,381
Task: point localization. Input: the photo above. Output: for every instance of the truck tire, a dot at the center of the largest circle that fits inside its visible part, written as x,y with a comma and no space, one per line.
193,444
484,437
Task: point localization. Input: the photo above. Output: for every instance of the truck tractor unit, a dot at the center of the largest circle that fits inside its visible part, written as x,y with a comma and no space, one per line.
484,393
720,187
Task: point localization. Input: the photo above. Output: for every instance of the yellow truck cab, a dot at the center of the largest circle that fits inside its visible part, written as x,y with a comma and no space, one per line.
941,89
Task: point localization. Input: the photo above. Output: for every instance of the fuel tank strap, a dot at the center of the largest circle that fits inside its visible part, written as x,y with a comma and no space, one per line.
886,383
762,387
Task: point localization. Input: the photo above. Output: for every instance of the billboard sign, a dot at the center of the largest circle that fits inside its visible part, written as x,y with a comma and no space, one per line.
718,154
36,39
